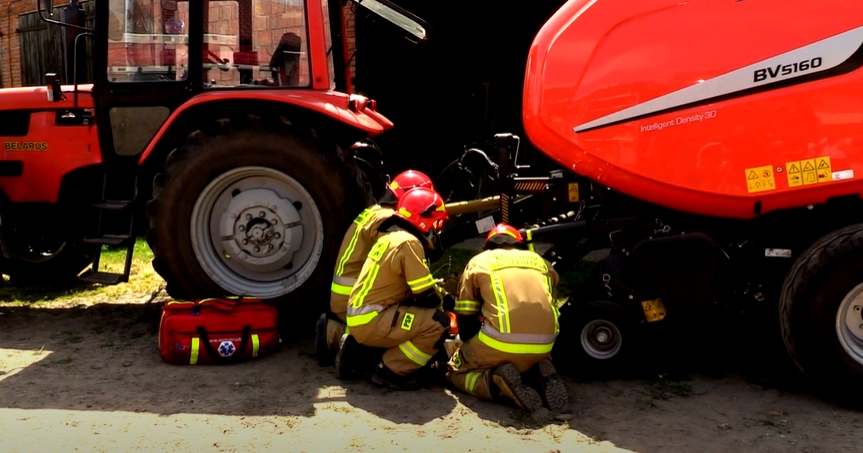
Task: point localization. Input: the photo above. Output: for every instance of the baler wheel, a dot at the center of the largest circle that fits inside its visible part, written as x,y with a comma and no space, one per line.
595,339
820,314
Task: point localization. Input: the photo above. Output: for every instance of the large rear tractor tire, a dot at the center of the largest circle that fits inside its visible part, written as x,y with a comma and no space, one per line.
254,207
820,314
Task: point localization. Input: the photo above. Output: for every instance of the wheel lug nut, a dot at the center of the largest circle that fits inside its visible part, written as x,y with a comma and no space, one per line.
245,241
278,235
257,249
262,214
273,221
248,217
270,247
242,228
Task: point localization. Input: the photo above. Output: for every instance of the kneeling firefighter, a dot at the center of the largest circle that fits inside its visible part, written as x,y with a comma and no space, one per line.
395,304
357,242
512,289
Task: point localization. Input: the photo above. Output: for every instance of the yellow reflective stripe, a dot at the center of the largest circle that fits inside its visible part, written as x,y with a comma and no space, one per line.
424,279
360,320
470,381
348,252
467,305
347,329
514,348
414,354
255,345
502,304
367,286
196,345
530,245
422,287
342,290
553,302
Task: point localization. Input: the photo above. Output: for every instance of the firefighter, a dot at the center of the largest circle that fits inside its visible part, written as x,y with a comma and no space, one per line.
356,244
395,304
511,288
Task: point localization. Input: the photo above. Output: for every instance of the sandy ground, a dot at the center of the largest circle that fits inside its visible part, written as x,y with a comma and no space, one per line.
90,379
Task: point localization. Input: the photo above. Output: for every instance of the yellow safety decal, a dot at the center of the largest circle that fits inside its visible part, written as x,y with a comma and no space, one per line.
809,171
378,249
404,212
196,345
760,179
573,192
470,381
654,310
408,321
255,345
526,260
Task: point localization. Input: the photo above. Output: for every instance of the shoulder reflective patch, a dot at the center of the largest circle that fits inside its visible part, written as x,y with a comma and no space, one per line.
810,59
525,260
364,217
408,321
378,249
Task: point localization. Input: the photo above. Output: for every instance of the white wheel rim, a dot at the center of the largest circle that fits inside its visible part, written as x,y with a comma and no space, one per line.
601,339
849,323
257,232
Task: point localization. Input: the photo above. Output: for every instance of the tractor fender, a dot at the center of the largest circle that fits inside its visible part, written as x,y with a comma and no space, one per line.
353,111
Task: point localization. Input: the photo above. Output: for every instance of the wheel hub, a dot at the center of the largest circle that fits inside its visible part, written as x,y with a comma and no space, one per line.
849,323
261,230
601,339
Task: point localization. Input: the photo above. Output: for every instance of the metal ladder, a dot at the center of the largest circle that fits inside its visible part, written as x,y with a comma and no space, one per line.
127,239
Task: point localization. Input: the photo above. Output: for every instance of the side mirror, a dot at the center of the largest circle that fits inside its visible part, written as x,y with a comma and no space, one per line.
400,17
49,6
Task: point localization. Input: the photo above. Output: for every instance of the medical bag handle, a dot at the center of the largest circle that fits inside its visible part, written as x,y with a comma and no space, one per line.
215,355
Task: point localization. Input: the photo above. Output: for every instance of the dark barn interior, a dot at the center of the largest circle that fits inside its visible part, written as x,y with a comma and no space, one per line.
456,90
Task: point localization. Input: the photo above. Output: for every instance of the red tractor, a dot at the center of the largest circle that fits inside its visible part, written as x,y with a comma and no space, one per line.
221,129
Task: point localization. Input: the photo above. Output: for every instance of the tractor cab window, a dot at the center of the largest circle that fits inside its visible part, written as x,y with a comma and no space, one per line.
147,40
255,43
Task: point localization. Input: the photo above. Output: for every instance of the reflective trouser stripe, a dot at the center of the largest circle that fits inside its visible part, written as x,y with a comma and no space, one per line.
362,315
514,347
414,354
255,345
467,306
421,283
342,290
471,379
360,320
196,345
502,305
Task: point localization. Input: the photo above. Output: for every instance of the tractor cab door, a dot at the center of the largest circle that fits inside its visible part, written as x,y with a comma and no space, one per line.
142,70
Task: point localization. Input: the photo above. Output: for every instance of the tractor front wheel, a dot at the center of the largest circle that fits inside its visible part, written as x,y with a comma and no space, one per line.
254,207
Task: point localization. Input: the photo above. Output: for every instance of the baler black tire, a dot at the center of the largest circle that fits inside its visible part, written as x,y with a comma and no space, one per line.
318,163
60,268
570,356
812,293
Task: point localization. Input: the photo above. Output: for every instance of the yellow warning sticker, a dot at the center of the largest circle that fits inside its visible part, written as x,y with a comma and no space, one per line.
760,179
809,171
573,192
654,310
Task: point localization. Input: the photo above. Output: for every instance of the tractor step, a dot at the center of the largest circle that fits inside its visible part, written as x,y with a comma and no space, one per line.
104,278
111,240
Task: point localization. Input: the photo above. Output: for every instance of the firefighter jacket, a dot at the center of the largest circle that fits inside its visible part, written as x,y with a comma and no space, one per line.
513,290
356,244
394,272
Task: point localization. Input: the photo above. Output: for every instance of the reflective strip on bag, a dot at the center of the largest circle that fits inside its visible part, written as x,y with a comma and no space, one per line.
517,343
470,381
196,345
414,354
255,345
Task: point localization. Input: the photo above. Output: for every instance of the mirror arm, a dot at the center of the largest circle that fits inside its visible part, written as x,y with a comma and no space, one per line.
57,22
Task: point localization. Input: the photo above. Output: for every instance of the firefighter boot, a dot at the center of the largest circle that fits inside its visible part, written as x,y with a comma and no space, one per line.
552,385
384,377
507,381
322,348
347,357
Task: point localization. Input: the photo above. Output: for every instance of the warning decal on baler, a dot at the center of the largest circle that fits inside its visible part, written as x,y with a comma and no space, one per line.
760,179
809,171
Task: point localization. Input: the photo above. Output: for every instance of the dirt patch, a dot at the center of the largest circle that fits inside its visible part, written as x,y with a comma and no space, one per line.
90,379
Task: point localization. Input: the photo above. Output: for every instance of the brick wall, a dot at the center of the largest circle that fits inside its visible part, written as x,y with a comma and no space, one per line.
10,46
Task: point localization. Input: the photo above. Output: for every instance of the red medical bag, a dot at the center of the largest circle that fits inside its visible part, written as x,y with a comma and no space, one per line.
217,331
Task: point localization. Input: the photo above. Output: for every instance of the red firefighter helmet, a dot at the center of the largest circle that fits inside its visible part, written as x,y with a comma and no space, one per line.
408,180
503,234
423,208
